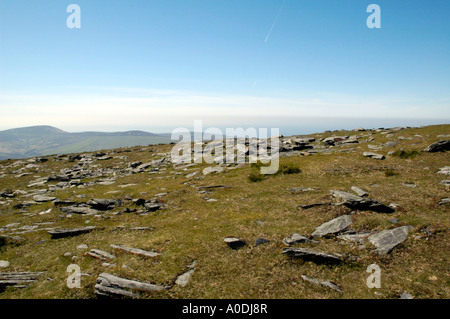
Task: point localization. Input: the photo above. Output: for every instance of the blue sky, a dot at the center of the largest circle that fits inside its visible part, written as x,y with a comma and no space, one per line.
156,65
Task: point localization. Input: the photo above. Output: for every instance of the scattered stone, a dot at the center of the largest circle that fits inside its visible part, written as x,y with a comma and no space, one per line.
315,256
374,155
445,182
109,286
333,226
4,264
184,279
360,203
387,240
210,170
295,239
444,170
235,243
152,207
69,232
100,254
440,146
393,220
261,241
296,190
323,283
82,246
193,174
406,295
360,192
68,254
410,185
18,279
43,199
444,201
82,210
355,238
104,204
135,251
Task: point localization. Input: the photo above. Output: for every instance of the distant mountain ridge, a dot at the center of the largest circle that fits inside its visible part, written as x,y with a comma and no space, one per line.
43,140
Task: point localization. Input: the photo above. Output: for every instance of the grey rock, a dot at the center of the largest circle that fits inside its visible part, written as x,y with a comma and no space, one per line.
69,232
444,170
406,295
210,170
261,241
315,256
235,243
444,201
324,283
104,204
387,240
184,279
333,226
18,279
360,192
440,146
360,203
135,251
295,239
355,238
43,198
109,286
4,264
445,182
82,210
374,155
100,254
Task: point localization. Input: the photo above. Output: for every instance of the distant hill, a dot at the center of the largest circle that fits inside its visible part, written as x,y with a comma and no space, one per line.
46,140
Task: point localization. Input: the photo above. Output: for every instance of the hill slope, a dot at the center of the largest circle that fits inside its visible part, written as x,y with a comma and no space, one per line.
178,216
45,140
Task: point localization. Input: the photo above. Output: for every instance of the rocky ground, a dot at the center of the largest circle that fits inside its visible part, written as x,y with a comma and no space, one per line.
140,225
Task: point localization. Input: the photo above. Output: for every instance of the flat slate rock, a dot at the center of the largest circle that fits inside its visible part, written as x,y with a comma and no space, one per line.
324,283
210,170
374,155
112,286
295,239
135,251
69,232
333,226
235,243
43,198
100,254
387,240
315,256
81,210
361,203
261,241
360,192
440,146
104,204
444,170
184,279
18,279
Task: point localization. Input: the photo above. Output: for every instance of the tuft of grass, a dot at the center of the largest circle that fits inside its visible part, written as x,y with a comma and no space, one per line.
289,169
405,154
391,172
256,176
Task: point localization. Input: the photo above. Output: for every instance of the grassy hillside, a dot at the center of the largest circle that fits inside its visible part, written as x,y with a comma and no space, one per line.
195,222
47,140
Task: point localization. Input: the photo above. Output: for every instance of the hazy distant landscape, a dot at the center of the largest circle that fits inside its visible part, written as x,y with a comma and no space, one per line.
47,140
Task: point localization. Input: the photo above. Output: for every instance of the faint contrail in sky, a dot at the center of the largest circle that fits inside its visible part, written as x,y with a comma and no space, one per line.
274,22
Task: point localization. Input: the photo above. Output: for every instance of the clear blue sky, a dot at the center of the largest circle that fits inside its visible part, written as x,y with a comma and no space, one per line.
157,64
